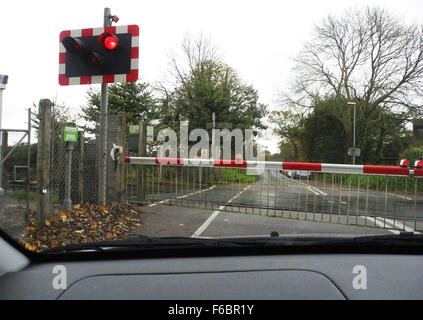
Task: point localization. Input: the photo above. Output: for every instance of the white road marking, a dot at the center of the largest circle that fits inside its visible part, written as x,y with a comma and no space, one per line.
399,196
380,224
215,214
160,202
400,225
383,222
315,190
180,197
193,193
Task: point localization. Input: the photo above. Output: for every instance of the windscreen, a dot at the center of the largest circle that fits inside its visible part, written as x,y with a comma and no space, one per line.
228,119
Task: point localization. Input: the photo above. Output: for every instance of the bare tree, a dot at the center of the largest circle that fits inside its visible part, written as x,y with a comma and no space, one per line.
367,56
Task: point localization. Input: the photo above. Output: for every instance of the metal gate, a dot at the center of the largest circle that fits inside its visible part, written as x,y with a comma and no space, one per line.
18,183
373,196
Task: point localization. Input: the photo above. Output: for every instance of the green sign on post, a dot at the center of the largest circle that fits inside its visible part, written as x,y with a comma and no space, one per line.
70,134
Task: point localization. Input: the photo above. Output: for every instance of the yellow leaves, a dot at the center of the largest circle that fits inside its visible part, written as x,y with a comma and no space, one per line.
102,209
81,224
48,222
63,216
30,247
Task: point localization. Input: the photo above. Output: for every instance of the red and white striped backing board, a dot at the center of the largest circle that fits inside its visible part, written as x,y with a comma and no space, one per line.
132,76
270,165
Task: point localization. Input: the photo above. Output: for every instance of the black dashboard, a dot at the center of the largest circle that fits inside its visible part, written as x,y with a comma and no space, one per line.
241,277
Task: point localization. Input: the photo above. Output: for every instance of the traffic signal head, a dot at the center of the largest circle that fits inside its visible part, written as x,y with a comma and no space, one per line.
72,45
3,81
108,41
100,55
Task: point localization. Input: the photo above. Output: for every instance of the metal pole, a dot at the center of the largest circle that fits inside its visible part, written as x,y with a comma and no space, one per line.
1,148
28,167
67,202
142,152
354,137
103,131
353,103
1,107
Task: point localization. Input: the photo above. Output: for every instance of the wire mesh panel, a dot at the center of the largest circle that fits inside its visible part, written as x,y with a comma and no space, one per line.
84,166
18,182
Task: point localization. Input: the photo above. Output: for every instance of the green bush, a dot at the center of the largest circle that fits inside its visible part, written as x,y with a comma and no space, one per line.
21,194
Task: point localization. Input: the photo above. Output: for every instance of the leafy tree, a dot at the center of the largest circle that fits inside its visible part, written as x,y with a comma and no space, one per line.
288,125
134,98
202,84
412,153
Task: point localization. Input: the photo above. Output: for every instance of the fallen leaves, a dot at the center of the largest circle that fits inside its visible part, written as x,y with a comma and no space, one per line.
81,224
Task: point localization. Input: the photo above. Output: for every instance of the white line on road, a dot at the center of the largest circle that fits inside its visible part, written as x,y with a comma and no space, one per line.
193,193
383,222
315,190
400,225
180,197
399,196
379,223
215,214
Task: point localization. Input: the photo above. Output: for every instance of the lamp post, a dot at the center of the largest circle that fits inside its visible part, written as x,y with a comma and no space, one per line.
354,104
3,82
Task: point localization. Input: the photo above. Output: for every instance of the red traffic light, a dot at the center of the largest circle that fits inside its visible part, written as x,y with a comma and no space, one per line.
404,163
418,164
108,41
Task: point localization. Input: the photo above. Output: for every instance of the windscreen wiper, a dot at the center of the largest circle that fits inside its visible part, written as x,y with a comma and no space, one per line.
153,243
401,239
142,242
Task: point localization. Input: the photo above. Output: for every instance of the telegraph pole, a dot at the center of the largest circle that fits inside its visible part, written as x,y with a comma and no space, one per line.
102,172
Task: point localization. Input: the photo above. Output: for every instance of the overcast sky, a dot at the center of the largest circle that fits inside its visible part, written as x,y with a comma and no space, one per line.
257,38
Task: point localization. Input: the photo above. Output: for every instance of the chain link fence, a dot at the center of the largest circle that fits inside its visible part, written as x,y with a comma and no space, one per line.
85,166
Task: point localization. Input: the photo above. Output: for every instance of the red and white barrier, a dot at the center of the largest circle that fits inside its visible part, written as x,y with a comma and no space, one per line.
271,165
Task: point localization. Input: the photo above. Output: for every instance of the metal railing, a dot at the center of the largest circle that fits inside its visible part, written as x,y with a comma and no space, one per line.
373,196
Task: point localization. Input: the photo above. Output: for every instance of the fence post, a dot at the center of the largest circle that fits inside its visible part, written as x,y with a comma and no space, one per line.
120,176
44,160
142,152
81,167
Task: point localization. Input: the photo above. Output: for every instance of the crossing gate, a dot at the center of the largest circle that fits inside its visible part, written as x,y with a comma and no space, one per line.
18,182
376,196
